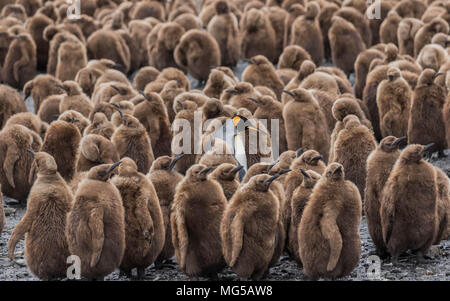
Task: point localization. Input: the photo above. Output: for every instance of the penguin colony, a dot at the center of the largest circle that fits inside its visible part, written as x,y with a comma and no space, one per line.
95,163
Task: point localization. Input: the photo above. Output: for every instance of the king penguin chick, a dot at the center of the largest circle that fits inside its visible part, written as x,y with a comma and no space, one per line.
198,52
131,140
40,87
379,167
44,222
100,126
300,199
75,99
329,242
144,225
271,110
346,44
15,161
165,179
21,61
95,150
195,219
261,72
248,228
95,228
426,121
410,194
152,113
305,123
352,147
394,103
257,35
225,175
11,103
224,28
61,141
305,32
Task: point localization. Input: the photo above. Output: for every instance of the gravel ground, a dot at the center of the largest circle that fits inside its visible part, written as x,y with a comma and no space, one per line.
286,269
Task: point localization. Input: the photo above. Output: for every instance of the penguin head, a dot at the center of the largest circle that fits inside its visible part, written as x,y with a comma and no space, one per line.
310,178
70,87
43,163
110,64
351,121
335,172
427,77
391,52
296,9
414,153
131,122
306,68
264,101
241,88
213,108
258,60
161,163
75,118
345,106
120,88
262,183
170,34
440,39
99,119
300,95
222,7
253,20
226,171
393,74
312,10
391,144
103,172
311,157
198,172
155,101
127,168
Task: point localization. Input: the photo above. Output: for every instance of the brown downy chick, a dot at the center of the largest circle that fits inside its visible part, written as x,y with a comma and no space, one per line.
152,114
225,174
352,147
131,140
100,126
95,150
329,242
379,167
144,225
248,228
411,195
303,115
44,222
95,228
61,141
300,199
165,179
195,219
75,99
426,121
262,73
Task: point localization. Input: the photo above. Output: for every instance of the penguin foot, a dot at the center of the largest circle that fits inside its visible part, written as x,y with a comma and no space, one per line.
422,259
126,273
140,273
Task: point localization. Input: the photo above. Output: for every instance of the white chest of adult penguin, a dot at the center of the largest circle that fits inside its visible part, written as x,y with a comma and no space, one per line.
242,138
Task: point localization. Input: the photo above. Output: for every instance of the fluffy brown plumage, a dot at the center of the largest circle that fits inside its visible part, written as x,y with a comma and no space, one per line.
44,222
328,234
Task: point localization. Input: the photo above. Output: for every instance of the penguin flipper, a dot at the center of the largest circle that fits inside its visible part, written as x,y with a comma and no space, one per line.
237,235
19,231
180,235
387,212
12,155
330,231
145,223
97,234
